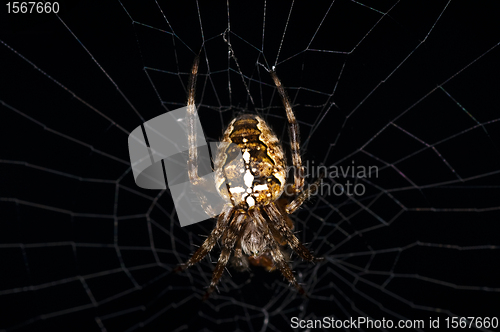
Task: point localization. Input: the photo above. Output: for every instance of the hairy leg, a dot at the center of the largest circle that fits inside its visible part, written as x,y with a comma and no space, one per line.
304,196
276,254
191,124
228,241
293,132
192,164
208,244
278,222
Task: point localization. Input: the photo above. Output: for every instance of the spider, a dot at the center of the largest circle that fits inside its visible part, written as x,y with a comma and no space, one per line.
254,223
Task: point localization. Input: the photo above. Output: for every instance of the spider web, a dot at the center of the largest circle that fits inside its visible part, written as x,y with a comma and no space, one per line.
407,87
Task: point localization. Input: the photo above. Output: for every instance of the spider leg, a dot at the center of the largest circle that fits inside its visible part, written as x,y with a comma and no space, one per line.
293,132
228,242
277,255
278,222
239,260
281,205
191,125
196,181
210,241
304,196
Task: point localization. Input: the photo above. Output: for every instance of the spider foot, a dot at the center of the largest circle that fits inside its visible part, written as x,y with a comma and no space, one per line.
180,268
301,291
207,293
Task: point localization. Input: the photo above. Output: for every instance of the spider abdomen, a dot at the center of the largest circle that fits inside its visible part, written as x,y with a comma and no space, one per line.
252,170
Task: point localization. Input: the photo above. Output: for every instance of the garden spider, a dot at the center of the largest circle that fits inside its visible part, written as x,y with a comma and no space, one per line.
254,221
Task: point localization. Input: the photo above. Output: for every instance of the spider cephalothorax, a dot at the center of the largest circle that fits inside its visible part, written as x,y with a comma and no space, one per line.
250,175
